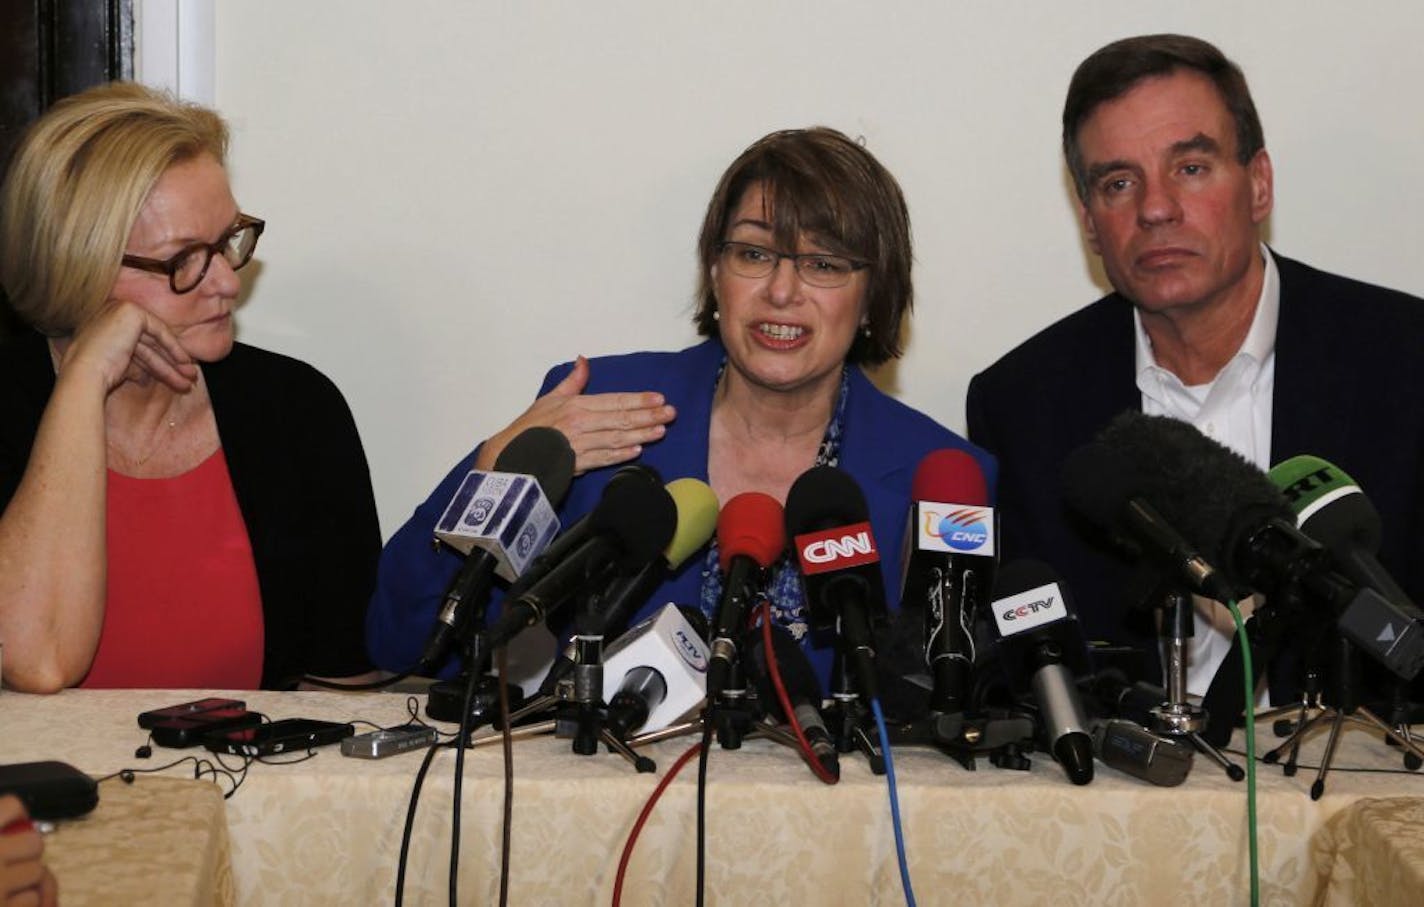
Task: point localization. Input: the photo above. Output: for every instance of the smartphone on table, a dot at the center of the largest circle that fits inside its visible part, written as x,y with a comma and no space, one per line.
147,720
286,735
192,729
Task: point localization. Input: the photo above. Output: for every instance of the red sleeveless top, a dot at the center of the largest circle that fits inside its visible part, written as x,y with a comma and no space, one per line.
183,609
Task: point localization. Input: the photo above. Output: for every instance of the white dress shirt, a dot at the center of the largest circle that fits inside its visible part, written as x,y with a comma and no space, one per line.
1234,408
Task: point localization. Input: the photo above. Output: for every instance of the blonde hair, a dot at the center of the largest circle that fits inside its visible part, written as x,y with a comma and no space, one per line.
75,188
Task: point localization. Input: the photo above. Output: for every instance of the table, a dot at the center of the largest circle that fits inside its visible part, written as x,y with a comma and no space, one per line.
328,830
1374,851
155,841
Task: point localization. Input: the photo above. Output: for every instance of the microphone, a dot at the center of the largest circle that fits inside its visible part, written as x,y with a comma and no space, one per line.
632,522
656,672
1121,738
644,689
1234,511
1334,511
1106,486
696,505
750,538
829,522
1131,748
577,534
803,691
500,520
1115,696
1215,497
1039,636
949,566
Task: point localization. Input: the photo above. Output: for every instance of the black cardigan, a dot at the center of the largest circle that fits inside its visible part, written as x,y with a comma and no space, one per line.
301,480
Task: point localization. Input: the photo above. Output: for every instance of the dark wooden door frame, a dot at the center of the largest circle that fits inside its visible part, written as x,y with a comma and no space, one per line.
53,48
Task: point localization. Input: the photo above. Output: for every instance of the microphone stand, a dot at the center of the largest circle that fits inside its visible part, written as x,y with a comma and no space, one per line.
736,713
446,699
1401,710
1310,706
1346,712
1178,717
1004,736
739,714
576,699
848,717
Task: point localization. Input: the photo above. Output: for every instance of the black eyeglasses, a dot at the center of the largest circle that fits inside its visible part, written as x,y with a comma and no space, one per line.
188,268
816,268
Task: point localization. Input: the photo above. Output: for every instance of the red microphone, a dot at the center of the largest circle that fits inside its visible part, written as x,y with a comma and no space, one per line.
950,474
949,567
750,537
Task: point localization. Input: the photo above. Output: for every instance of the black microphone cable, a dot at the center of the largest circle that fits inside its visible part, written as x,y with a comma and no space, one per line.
507,745
704,747
708,724
462,743
410,815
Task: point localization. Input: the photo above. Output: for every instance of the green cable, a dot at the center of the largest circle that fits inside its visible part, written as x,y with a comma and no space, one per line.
1250,751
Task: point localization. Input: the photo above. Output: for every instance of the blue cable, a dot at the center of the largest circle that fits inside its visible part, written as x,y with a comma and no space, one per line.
894,802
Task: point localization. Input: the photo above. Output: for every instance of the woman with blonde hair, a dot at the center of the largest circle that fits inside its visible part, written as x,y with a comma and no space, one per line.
180,510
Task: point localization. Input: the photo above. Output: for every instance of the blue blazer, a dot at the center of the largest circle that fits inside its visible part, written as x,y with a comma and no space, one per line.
883,441
1349,387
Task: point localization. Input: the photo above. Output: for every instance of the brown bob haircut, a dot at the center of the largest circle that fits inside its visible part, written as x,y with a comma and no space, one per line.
820,183
75,188
1116,69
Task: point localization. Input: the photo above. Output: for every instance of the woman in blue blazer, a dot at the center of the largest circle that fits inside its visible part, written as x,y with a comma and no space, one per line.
805,276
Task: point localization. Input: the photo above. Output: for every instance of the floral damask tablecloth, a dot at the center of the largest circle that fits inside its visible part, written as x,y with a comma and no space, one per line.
328,830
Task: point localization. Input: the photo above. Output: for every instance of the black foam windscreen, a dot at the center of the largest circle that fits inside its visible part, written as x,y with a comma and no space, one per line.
641,515
1211,494
545,454
823,497
1098,481
1024,574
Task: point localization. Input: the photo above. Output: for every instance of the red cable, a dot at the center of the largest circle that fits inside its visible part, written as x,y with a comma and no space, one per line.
643,817
817,768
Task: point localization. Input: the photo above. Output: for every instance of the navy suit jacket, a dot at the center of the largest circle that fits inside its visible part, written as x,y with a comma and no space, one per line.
882,442
1349,387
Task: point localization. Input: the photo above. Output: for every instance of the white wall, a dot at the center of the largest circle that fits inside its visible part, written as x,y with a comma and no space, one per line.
459,195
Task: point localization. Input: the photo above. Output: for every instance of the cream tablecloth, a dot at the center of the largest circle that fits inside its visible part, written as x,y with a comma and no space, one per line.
328,830
156,841
1373,853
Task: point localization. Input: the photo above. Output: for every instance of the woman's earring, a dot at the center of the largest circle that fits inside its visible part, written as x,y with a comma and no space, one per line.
716,315
865,329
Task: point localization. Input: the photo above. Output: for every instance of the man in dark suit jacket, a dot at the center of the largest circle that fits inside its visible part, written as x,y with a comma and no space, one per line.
1173,181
